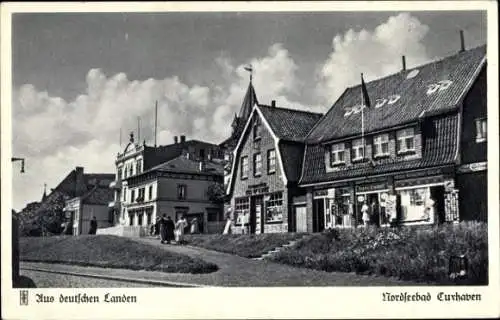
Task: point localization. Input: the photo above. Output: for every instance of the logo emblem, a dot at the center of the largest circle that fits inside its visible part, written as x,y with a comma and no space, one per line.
23,297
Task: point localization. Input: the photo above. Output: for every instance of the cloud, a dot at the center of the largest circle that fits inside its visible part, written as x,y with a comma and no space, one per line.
375,53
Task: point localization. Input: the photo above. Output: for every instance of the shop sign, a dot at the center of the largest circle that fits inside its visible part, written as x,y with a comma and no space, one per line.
331,193
361,198
419,181
451,206
422,173
371,187
321,193
473,167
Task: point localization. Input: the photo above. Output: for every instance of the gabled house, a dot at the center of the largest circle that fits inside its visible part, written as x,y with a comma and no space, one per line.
421,158
266,168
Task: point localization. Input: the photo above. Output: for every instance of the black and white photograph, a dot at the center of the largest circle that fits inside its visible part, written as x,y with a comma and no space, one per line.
206,149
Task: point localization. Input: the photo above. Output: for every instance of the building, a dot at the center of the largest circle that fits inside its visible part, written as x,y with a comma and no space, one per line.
422,158
137,159
266,168
181,186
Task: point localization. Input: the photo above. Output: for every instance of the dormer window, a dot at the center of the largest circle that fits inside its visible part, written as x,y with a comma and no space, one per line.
337,154
481,130
381,145
358,150
405,140
256,129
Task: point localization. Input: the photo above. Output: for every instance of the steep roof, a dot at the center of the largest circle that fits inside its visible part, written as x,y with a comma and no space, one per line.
440,148
454,73
182,164
99,195
249,101
289,124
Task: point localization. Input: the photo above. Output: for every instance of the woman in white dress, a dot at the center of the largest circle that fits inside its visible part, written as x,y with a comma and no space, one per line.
179,229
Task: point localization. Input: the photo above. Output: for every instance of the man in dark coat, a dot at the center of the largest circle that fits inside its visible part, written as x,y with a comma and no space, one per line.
170,226
163,229
93,226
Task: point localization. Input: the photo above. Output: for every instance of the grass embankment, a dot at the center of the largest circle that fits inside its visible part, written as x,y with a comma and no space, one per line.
409,253
109,251
248,246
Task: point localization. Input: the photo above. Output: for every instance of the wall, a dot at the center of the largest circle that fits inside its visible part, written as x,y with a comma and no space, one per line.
473,196
90,210
474,107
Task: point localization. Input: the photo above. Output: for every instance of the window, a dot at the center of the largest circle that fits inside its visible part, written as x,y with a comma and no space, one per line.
124,196
337,154
242,206
140,196
257,164
130,170
181,191
150,192
381,145
132,195
256,129
138,168
244,167
405,140
274,208
358,150
415,204
271,161
202,154
119,175
481,130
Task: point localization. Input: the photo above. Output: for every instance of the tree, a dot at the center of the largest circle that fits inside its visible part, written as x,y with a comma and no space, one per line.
216,192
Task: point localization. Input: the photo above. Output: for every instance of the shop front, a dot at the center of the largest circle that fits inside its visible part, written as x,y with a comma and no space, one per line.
260,211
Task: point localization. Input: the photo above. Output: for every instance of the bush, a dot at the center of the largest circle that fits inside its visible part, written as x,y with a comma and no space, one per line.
408,253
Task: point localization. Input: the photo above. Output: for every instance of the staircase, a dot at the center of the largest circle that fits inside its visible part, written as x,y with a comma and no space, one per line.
272,252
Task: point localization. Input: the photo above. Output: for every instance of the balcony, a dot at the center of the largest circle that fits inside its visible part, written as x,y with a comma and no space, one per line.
116,184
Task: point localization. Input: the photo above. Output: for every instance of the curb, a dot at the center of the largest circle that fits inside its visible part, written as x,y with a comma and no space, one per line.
116,278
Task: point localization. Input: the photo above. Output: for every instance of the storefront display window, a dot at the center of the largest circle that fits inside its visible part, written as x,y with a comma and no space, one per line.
274,208
416,205
242,206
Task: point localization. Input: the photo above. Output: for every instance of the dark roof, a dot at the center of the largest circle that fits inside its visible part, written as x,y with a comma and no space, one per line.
440,148
99,195
98,178
249,101
289,124
292,155
182,164
414,100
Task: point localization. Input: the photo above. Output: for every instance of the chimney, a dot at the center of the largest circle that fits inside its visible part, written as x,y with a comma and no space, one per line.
176,139
404,63
183,138
462,41
273,103
202,166
80,187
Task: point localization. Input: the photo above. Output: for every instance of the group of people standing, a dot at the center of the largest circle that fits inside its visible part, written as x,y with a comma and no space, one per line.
169,231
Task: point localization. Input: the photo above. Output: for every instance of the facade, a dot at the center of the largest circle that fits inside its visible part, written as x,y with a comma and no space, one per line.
87,195
422,159
181,186
137,158
266,169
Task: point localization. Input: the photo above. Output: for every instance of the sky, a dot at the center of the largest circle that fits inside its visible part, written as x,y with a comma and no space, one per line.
80,78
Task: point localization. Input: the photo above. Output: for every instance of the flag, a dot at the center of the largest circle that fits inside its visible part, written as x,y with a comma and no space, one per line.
365,97
248,68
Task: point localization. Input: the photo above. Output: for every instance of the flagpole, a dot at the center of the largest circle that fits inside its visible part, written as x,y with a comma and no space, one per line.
362,117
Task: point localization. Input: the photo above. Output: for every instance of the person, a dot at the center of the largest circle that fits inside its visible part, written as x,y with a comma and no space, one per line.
170,227
194,226
163,229
180,229
430,210
375,213
93,226
157,227
365,215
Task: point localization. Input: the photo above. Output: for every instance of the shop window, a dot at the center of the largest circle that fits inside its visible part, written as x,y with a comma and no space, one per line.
416,205
271,161
405,140
337,153
381,145
242,206
181,191
257,164
481,130
244,167
358,150
274,208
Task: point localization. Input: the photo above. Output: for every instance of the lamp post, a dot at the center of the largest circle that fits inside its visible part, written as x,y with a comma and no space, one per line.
15,238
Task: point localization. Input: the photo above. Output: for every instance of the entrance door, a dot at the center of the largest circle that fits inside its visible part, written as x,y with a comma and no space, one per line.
301,219
256,219
318,215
